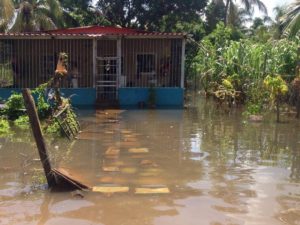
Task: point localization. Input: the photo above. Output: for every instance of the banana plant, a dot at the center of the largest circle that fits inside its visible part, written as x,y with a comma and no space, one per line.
296,92
277,88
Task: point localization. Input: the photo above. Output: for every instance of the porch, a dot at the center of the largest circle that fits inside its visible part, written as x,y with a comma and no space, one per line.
102,68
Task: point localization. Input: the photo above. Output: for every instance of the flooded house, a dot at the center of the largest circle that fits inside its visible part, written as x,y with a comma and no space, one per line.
106,64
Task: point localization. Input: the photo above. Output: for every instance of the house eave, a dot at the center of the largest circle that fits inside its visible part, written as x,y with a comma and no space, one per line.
91,36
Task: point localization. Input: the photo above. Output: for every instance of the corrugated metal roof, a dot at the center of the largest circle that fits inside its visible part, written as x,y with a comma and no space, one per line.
96,30
92,31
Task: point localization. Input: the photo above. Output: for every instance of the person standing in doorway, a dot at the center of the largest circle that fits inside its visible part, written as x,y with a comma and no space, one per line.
74,75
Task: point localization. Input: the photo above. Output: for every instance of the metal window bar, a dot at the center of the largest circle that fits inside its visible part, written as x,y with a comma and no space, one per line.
107,63
167,61
36,60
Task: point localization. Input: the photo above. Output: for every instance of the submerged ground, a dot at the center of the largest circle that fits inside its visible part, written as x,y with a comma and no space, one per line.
219,169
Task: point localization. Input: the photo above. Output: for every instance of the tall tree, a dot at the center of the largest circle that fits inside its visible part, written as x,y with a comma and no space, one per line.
80,13
171,11
291,19
118,12
247,4
277,27
159,15
257,22
214,13
279,12
261,29
31,15
238,17
6,13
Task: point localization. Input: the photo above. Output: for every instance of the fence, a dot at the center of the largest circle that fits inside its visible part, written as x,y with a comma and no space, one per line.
130,62
28,63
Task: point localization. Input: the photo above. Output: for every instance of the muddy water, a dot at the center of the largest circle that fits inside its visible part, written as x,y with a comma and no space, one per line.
219,170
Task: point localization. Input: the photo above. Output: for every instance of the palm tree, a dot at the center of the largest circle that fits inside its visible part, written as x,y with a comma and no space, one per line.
291,19
6,13
277,27
238,17
279,12
33,15
248,5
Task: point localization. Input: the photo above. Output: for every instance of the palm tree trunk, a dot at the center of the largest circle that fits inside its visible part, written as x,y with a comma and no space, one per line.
226,11
6,14
295,82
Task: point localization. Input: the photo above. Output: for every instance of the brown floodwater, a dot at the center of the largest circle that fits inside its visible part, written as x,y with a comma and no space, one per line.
219,168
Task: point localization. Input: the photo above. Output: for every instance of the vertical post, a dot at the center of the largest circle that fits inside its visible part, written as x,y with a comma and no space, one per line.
182,63
38,136
296,84
94,61
277,108
119,62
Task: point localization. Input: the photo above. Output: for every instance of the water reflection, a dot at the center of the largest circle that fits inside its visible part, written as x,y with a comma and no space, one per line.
220,170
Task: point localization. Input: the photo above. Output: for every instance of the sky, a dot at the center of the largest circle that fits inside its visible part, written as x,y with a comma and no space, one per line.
271,4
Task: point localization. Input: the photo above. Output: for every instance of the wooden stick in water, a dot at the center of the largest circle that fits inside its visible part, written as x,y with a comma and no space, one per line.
38,136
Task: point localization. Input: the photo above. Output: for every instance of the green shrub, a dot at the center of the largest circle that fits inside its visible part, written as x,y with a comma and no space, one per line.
4,126
22,122
43,107
53,128
14,106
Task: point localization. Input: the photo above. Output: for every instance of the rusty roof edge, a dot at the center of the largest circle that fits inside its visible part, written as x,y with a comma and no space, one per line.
121,29
33,36
91,35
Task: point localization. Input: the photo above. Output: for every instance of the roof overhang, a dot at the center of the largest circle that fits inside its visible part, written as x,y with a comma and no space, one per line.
93,36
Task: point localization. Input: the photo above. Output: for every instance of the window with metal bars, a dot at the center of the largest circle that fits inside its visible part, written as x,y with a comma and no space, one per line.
145,63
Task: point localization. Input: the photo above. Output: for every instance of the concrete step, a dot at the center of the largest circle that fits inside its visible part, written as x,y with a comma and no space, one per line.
107,104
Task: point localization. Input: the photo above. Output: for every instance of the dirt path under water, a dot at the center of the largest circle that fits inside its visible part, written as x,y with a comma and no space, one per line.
218,168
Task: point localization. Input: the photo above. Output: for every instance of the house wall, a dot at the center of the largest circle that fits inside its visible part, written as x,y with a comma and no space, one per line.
166,71
80,97
106,48
165,78
36,60
164,97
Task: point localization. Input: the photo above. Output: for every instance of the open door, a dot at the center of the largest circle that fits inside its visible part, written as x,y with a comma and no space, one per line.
107,78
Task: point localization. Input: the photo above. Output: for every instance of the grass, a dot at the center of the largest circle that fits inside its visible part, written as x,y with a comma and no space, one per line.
6,75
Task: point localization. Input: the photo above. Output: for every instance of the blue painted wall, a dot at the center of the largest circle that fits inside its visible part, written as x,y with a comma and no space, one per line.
5,93
165,97
81,97
128,97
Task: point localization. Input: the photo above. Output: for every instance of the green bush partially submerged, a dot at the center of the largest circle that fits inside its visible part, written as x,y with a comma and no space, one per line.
14,107
53,127
22,122
245,66
14,110
4,126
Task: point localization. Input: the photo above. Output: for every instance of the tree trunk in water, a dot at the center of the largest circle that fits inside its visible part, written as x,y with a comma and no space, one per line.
277,109
298,105
38,136
56,85
296,84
